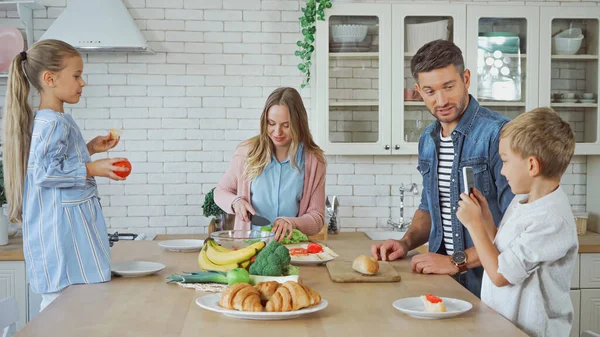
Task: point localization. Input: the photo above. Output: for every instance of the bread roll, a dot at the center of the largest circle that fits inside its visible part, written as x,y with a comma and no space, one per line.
366,265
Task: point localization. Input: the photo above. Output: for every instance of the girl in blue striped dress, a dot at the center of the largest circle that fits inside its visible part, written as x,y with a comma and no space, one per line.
49,174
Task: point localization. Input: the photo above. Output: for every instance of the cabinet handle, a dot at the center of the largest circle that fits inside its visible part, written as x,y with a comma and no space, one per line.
397,147
387,147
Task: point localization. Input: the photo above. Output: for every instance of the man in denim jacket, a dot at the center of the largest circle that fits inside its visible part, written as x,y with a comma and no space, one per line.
465,134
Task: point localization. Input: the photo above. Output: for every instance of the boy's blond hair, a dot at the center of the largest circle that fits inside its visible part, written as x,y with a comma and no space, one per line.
542,134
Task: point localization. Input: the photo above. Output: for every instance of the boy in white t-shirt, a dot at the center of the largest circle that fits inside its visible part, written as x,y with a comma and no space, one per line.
530,258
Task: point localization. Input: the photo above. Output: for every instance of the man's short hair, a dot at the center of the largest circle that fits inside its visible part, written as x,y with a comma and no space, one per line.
437,54
542,134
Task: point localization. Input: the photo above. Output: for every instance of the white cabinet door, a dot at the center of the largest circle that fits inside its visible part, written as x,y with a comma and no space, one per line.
12,283
353,84
590,310
413,26
590,271
575,72
576,300
575,277
502,55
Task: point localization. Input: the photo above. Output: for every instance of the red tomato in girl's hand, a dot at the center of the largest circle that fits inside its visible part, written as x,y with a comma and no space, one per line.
124,163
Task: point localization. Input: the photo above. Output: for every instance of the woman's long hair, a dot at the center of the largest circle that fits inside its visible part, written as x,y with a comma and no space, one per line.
26,68
261,147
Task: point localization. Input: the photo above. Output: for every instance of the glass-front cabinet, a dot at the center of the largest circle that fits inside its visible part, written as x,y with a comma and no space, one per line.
353,67
502,54
519,57
569,70
413,27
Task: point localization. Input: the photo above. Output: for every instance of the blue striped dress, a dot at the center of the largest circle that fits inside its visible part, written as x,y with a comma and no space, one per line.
65,239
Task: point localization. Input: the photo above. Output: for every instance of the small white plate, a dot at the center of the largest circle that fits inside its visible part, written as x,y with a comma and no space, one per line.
135,268
567,100
413,306
311,259
185,245
591,100
211,302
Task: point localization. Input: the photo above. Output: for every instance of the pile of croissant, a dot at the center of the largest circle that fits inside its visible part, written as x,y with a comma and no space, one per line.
272,296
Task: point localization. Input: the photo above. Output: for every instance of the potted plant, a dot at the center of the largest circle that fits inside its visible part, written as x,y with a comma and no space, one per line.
313,11
210,208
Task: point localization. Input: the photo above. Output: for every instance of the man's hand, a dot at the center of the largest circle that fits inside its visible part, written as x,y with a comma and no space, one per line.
389,250
432,263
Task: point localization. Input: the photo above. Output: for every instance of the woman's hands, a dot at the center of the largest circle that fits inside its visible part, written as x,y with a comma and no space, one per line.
281,228
241,208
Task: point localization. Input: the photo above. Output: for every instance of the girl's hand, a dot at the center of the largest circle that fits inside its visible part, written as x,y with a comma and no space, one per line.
241,208
102,144
281,229
105,168
469,211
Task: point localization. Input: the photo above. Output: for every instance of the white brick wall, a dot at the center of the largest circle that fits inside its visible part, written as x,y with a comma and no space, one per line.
184,110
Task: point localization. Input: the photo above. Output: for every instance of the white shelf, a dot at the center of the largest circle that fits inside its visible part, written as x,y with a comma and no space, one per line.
501,103
574,57
357,55
414,103
354,103
3,75
409,55
13,5
574,105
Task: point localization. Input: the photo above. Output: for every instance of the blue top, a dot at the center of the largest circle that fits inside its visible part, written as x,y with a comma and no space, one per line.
65,239
476,143
277,191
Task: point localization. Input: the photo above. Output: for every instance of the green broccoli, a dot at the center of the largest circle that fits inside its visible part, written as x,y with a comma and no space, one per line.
297,236
273,260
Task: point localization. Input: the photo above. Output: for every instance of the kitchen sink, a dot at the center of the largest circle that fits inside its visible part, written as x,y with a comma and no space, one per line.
385,235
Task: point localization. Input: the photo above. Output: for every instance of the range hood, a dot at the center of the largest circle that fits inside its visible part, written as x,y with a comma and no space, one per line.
98,26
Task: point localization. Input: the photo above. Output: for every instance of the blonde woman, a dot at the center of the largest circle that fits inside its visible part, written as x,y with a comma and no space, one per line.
279,174
49,173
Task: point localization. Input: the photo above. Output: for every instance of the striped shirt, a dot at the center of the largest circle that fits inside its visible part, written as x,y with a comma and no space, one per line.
65,239
445,160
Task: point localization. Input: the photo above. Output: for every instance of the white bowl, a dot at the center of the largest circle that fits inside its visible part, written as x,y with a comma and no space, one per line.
418,34
349,33
567,42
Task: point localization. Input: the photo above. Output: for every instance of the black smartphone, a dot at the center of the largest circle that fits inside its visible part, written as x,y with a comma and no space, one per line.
468,180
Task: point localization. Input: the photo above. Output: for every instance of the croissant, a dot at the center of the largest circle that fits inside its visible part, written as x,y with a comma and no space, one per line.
267,289
241,296
292,296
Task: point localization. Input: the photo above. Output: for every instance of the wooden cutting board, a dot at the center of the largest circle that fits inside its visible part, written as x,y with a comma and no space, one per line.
341,271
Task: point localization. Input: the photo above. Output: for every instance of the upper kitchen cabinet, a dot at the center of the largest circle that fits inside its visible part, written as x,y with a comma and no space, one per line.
569,70
502,55
353,48
413,26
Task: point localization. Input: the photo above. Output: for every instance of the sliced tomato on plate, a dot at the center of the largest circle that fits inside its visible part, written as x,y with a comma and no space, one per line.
298,251
314,248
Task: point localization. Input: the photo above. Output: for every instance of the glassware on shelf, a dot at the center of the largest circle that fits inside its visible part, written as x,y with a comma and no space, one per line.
499,67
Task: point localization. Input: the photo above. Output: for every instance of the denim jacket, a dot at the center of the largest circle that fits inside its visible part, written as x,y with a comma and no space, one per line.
476,141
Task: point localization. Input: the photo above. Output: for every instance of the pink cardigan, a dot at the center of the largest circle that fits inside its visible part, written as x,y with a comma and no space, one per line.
310,218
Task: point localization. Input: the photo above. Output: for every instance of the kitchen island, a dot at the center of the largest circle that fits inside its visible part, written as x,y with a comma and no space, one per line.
148,306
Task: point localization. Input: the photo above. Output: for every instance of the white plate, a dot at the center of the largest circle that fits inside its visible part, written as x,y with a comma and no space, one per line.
135,268
413,306
567,100
311,259
211,302
591,100
182,245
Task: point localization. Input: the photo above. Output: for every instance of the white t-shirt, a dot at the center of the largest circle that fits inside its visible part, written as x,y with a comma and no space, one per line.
538,248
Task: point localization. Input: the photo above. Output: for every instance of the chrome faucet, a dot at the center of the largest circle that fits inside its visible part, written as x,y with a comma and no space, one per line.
402,225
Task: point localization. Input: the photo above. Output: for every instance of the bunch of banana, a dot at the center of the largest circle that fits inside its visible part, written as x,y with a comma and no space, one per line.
218,258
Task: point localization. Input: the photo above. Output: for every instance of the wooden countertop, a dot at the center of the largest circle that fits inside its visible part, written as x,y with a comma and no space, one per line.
589,242
149,307
13,251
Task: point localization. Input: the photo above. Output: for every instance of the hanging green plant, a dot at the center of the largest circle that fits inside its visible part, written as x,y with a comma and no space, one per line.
313,11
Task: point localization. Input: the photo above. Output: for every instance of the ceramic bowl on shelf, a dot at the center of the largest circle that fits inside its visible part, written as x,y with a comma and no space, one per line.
568,41
11,44
349,33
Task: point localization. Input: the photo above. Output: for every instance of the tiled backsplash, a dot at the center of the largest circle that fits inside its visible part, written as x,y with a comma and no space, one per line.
184,110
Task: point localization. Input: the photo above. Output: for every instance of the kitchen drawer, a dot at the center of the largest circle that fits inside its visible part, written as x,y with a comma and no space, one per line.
590,310
590,271
576,300
575,277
